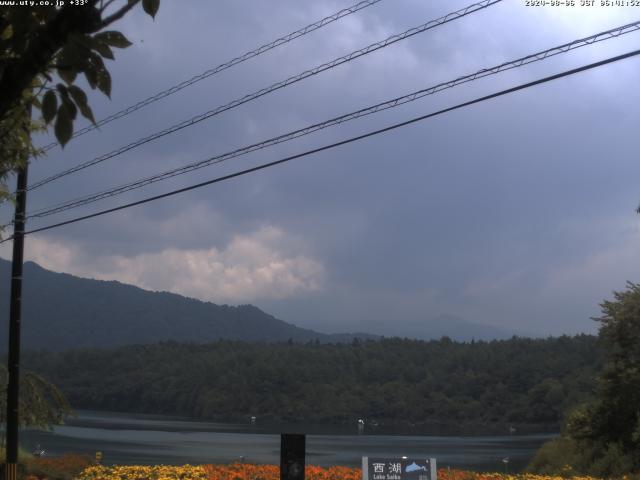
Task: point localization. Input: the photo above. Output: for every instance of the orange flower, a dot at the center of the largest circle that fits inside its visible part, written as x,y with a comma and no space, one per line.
65,466
243,471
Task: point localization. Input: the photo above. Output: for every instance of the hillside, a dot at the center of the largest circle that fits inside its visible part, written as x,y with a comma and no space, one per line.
400,385
61,311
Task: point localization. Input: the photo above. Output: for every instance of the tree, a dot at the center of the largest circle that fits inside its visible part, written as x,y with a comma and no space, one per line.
42,404
616,414
602,437
43,49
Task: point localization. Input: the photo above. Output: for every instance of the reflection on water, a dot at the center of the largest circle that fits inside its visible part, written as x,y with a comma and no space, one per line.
152,439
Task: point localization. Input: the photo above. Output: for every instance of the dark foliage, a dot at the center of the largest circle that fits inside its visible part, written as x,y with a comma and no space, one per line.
602,436
428,386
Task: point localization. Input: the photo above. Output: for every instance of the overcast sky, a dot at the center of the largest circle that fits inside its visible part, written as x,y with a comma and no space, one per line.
517,212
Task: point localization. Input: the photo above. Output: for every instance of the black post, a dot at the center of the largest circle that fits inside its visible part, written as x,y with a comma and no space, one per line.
292,456
13,367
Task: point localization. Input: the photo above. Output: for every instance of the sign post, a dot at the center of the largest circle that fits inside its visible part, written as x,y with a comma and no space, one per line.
403,468
292,456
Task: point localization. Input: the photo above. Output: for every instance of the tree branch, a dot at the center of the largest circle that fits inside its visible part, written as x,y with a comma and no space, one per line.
118,15
46,41
106,5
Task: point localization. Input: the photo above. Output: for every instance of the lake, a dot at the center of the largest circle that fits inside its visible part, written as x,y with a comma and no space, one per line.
125,438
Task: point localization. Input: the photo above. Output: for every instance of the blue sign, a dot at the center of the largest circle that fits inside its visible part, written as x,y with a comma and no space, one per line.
403,468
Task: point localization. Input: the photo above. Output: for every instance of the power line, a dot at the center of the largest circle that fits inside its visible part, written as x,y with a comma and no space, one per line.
276,86
340,143
535,57
223,66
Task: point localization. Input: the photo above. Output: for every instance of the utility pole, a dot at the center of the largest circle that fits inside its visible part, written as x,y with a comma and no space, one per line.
13,364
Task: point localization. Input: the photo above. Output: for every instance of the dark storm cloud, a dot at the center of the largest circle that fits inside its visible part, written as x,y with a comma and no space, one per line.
517,212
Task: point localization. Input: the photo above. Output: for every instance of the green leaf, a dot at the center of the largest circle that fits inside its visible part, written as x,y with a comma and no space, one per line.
103,78
90,73
73,110
103,49
104,82
63,90
49,106
66,101
91,43
64,125
151,7
68,74
113,38
80,98
68,61
7,33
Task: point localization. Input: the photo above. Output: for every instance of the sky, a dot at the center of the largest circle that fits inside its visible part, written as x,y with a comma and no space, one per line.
518,212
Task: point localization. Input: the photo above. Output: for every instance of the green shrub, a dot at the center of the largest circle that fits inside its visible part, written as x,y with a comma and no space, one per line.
560,456
613,462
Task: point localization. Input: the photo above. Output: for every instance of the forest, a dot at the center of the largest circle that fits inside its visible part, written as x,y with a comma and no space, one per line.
438,386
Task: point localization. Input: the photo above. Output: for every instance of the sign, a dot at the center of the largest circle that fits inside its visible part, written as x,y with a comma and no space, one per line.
403,468
292,456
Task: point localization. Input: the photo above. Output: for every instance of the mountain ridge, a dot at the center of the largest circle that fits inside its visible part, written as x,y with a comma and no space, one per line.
90,313
62,311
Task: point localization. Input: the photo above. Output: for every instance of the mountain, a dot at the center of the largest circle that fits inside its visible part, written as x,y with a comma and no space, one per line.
61,311
456,328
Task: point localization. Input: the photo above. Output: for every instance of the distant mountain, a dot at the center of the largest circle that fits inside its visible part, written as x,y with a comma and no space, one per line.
456,328
61,311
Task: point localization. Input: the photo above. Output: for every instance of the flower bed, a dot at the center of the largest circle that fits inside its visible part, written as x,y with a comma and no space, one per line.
239,471
446,474
234,471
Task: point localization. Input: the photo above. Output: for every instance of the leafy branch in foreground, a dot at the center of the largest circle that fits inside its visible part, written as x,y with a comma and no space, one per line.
42,404
43,50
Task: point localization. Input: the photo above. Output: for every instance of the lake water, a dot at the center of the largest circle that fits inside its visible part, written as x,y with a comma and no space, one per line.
153,439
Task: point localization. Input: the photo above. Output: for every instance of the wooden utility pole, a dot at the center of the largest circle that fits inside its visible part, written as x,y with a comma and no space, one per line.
13,366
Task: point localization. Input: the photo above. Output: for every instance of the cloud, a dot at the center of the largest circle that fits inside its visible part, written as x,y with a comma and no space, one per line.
561,293
499,208
249,268
600,272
